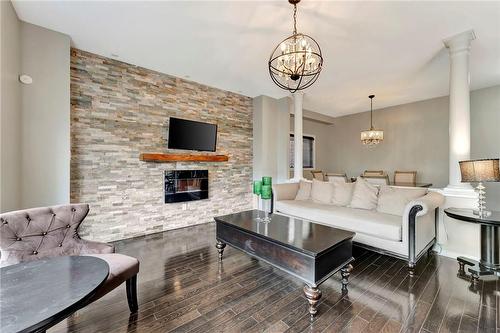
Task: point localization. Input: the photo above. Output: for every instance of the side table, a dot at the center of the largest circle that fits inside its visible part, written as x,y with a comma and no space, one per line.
489,264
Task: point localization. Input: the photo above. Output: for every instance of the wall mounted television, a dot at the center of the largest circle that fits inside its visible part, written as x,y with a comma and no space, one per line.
191,135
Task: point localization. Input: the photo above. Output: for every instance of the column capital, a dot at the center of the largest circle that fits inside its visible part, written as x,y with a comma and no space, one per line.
460,42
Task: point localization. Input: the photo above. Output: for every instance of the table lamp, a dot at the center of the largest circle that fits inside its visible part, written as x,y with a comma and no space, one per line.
485,170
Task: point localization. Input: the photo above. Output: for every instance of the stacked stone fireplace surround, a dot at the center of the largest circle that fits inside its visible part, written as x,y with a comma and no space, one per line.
120,110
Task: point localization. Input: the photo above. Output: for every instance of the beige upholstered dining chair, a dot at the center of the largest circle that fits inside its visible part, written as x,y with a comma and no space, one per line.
377,180
330,176
369,173
318,174
405,177
37,233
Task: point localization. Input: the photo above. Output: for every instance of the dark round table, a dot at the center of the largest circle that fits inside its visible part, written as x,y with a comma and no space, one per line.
38,294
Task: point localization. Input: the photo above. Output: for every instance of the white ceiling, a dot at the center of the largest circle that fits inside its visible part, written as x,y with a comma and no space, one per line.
391,49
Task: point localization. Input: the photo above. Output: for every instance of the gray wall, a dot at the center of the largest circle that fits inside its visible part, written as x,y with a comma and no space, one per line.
10,115
35,138
270,134
485,134
415,138
45,121
323,143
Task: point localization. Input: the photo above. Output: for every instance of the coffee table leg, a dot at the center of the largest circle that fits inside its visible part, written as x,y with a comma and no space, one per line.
345,272
313,294
220,248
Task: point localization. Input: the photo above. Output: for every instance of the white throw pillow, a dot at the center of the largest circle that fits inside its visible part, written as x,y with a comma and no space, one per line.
304,192
342,193
364,195
321,192
393,200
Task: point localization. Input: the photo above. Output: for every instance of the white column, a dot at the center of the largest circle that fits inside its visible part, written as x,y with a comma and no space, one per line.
459,117
298,168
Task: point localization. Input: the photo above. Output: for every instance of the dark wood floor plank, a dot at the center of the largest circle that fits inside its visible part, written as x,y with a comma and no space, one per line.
184,288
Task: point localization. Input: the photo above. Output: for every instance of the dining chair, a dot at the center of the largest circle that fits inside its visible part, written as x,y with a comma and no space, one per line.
377,179
36,233
405,177
373,173
318,174
330,176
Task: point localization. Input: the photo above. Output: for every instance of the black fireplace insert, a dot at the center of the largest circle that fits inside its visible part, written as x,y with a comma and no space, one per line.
186,185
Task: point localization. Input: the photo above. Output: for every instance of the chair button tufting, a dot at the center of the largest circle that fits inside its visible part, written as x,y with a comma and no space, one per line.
68,226
44,233
35,252
73,209
60,245
4,222
19,239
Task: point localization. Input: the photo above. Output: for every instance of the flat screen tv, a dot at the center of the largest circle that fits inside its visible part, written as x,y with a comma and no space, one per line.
191,135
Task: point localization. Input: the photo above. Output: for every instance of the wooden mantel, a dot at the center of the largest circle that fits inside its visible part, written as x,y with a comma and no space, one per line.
166,158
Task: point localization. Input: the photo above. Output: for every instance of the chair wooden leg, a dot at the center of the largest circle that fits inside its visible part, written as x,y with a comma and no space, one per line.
131,285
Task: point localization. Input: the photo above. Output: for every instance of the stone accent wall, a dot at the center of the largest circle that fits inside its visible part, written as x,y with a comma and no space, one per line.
119,111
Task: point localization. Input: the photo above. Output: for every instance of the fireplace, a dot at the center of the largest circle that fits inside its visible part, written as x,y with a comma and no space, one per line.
186,185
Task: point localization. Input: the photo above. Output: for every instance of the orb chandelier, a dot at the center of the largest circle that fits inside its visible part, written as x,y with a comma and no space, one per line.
372,136
296,62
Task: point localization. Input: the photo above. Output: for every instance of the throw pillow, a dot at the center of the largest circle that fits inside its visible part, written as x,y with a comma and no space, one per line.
364,195
321,192
393,200
342,193
304,192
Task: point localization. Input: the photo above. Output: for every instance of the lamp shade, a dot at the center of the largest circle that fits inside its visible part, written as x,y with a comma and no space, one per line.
485,170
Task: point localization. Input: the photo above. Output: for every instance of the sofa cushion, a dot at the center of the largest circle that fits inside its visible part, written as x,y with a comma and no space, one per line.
362,221
342,193
393,200
364,195
321,192
304,192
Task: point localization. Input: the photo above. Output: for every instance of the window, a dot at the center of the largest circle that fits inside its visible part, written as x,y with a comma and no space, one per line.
307,151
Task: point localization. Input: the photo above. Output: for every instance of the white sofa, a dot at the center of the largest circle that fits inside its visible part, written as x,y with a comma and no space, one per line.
408,236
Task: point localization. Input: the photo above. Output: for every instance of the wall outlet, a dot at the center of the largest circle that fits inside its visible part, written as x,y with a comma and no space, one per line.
184,206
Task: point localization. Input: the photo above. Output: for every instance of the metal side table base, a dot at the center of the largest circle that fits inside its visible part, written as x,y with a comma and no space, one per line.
489,241
475,269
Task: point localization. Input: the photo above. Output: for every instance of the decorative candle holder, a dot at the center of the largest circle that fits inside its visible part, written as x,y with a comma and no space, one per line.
266,195
257,190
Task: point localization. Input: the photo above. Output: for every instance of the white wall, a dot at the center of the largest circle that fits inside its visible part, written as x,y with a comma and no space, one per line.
10,113
46,117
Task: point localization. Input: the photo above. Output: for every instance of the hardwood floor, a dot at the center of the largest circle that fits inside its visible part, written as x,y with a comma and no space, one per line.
182,288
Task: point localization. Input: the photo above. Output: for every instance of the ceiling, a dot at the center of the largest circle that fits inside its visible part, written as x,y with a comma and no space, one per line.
391,49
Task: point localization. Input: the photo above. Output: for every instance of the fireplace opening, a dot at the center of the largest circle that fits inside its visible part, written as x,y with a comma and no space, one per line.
186,185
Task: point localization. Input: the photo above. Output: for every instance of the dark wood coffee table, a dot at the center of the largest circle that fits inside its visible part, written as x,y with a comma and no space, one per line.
309,251
38,294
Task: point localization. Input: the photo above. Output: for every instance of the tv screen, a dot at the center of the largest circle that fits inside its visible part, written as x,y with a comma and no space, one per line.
191,135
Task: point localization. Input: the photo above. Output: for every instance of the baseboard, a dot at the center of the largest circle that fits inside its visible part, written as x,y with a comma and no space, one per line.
450,254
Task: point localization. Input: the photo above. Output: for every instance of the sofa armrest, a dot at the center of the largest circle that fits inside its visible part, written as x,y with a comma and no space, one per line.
420,233
428,202
285,191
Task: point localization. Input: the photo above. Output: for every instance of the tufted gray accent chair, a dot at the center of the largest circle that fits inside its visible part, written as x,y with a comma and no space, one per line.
37,233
